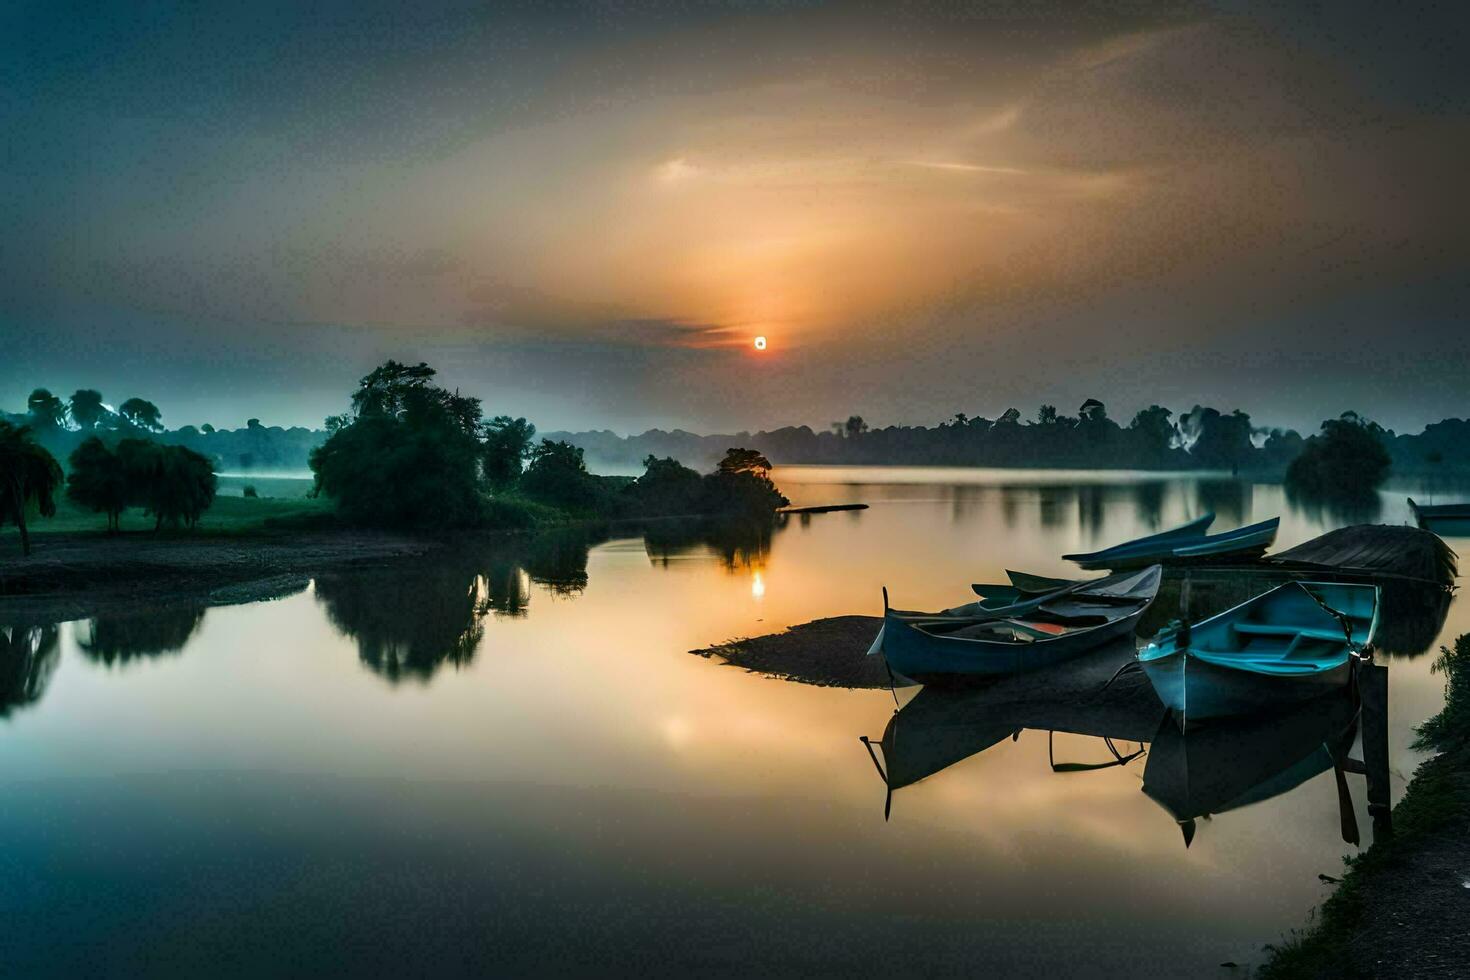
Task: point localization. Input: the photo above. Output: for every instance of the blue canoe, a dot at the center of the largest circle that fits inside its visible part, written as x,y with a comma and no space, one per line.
1443,519
1062,626
1251,540
1291,644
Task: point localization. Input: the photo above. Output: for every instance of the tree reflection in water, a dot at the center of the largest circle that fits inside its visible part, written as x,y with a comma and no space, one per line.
409,622
740,545
1335,509
28,656
116,640
1231,500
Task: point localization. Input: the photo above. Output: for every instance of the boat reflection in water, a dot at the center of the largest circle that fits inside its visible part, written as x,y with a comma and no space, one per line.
1212,769
1216,768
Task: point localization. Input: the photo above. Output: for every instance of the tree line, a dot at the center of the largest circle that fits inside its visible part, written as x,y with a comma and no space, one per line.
173,484
1203,438
61,424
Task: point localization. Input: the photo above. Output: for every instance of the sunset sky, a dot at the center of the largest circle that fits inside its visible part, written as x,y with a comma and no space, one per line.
586,216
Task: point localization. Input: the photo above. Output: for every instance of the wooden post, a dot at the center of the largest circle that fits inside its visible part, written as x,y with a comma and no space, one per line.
1373,688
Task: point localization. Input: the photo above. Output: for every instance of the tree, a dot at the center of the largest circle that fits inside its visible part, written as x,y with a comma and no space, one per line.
558,475
174,484
87,409
387,390
666,487
46,410
207,429
741,484
1093,411
854,426
98,481
185,487
407,455
1346,458
1222,441
745,461
29,477
141,414
507,443
1046,415
1154,429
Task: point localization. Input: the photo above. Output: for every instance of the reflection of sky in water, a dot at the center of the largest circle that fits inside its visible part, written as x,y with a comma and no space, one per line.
576,786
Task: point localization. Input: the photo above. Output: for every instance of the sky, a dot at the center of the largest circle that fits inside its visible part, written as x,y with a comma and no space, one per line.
585,214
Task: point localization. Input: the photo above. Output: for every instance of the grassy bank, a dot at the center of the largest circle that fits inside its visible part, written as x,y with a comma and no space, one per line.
230,514
1399,909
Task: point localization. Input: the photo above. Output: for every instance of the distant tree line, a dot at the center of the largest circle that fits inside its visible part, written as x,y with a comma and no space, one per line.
413,454
62,424
1154,439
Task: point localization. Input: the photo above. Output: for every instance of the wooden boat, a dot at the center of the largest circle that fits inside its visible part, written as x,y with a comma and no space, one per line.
1443,519
1060,627
1251,540
996,602
1241,761
1024,583
1293,643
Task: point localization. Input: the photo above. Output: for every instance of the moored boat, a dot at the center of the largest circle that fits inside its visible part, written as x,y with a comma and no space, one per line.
1442,519
1249,541
1061,626
1290,644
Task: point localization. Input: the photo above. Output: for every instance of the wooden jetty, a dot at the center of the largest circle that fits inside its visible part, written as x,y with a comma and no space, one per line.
822,509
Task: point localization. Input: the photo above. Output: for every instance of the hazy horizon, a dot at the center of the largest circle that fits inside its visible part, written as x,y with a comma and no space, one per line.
585,217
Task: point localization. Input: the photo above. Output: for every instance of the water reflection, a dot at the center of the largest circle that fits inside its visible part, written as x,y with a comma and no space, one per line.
1209,771
1221,767
118,639
1148,504
1332,510
28,656
410,622
1231,500
739,545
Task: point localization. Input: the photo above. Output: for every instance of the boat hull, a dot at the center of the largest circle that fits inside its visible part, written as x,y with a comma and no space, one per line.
1197,690
927,658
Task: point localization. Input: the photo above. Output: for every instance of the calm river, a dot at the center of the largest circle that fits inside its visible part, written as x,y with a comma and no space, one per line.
510,763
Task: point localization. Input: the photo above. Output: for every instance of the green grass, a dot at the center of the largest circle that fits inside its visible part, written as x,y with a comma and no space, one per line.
228,515
278,487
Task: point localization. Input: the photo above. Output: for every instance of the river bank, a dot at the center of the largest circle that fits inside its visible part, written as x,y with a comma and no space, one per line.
1402,907
71,575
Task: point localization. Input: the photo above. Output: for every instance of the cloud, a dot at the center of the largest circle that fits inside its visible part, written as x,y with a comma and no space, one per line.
974,168
675,170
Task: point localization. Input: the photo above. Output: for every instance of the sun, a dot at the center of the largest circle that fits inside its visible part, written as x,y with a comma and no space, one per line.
760,343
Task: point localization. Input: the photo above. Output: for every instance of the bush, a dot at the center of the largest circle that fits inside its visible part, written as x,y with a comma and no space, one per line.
250,491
